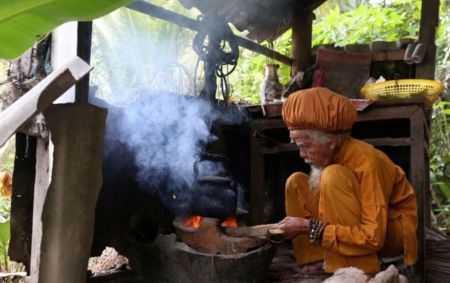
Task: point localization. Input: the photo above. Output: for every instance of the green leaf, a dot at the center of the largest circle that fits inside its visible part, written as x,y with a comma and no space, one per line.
4,234
4,242
445,189
23,22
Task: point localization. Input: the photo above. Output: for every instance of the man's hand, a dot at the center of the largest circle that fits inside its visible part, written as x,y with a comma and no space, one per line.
293,226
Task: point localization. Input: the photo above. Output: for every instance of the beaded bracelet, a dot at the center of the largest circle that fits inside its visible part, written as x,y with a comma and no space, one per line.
316,229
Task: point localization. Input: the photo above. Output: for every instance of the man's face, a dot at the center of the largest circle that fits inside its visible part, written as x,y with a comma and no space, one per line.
314,153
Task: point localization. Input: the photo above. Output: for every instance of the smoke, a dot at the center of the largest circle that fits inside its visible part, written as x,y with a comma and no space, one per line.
156,140
165,132
153,113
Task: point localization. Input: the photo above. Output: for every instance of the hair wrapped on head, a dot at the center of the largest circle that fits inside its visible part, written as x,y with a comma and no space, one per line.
319,109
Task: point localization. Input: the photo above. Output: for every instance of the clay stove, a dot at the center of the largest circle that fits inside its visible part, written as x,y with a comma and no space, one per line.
213,253
207,235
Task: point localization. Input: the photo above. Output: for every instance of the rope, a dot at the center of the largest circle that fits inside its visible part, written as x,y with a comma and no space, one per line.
215,43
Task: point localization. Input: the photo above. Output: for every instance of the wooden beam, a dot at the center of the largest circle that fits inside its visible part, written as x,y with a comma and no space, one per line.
250,45
41,96
312,6
161,13
429,21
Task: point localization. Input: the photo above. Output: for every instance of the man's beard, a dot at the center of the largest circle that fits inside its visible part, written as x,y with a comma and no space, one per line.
314,178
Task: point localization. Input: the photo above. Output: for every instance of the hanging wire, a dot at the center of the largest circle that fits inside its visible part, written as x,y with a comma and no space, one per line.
223,56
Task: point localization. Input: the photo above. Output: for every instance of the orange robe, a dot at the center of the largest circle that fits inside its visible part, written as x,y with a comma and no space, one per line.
368,205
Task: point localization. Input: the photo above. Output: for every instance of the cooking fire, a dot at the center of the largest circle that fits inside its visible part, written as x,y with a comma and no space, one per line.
195,221
213,236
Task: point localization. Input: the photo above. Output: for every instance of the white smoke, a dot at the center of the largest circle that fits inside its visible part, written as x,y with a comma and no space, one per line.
165,132
154,117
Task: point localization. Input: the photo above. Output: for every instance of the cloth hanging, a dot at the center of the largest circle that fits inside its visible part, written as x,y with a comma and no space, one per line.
342,72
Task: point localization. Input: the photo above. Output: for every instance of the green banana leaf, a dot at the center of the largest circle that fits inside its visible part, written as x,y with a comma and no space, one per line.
4,233
4,240
23,22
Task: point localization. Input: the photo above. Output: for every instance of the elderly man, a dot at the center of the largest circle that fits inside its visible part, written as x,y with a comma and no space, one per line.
356,204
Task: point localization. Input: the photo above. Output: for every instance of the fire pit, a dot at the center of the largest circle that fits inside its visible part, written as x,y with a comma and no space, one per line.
206,235
205,246
246,267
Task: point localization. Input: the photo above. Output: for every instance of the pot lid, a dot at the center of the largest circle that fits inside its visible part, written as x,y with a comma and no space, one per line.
213,179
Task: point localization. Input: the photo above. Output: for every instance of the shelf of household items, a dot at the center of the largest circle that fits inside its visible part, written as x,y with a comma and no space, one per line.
384,56
385,123
381,51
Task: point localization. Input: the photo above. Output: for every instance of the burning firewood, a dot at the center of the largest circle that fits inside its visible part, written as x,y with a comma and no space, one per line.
206,235
266,231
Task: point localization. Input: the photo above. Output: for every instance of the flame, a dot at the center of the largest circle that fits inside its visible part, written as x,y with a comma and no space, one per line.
196,220
193,221
229,222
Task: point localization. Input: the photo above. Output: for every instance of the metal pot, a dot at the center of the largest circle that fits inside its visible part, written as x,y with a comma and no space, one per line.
213,196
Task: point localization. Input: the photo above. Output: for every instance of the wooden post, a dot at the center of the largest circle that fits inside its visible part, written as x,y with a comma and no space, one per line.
419,174
22,199
68,181
427,35
84,42
210,86
301,41
429,21
257,183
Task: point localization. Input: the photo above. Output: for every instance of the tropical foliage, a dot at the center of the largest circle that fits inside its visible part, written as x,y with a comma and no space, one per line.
22,22
440,138
386,22
162,56
7,154
440,161
5,206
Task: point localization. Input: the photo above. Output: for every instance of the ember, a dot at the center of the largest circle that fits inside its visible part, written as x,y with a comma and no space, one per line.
195,221
209,237
229,222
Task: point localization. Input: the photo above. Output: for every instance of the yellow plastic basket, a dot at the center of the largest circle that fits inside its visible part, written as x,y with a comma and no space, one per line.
428,89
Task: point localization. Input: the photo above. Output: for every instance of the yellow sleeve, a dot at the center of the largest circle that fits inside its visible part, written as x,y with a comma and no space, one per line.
369,236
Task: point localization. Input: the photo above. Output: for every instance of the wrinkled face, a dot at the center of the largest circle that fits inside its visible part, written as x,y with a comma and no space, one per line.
314,153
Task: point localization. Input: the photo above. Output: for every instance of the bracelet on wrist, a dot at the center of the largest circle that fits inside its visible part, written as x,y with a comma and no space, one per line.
316,229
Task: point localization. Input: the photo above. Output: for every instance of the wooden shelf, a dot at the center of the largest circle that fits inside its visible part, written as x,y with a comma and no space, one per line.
285,147
288,147
389,141
381,56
